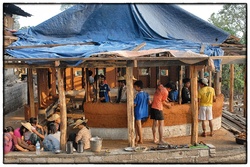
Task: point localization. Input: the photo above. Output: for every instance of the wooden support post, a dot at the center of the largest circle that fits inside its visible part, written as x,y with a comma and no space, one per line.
217,83
72,78
87,86
130,107
210,78
63,109
202,73
180,83
53,82
31,93
194,105
231,92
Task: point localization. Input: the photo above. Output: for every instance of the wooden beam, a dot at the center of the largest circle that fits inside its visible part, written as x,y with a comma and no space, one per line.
180,84
63,109
194,105
31,93
130,107
231,91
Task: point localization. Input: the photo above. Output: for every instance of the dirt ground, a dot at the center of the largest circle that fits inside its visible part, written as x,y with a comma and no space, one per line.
222,140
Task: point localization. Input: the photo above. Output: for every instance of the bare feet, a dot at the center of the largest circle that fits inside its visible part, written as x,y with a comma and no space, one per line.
211,134
155,141
162,142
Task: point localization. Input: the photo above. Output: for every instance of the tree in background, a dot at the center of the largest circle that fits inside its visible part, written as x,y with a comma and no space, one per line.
232,19
65,6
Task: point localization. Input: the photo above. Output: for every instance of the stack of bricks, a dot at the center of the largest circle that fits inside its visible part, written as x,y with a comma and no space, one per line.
212,151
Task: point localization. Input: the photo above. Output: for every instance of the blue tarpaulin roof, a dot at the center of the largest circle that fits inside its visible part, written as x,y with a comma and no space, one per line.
118,27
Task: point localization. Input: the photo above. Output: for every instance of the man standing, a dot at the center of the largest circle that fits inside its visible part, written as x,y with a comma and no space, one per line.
160,98
206,97
104,90
122,90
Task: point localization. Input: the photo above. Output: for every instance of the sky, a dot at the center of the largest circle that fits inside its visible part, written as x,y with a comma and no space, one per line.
203,11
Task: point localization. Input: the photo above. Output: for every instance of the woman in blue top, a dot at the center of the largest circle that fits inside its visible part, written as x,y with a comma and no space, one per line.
141,103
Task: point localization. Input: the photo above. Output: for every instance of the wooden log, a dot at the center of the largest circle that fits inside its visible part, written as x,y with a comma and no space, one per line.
231,91
130,107
31,93
180,83
63,109
194,105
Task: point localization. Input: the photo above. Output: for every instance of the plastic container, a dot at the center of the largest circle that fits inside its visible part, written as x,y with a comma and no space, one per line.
38,148
96,144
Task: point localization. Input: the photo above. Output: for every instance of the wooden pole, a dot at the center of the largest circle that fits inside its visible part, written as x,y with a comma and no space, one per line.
194,105
130,107
87,86
63,109
216,83
202,73
180,83
231,92
210,78
31,93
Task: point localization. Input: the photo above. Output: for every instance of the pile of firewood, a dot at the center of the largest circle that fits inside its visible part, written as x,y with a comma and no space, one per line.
233,122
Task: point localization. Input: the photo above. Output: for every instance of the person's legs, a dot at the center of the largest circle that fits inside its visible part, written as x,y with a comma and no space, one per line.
203,128
211,127
154,126
160,128
210,117
139,128
72,137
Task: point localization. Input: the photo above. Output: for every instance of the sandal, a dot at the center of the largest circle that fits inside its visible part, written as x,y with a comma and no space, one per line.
203,134
212,134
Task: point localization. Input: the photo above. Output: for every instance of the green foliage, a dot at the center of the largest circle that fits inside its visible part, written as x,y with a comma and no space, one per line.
232,19
239,71
16,22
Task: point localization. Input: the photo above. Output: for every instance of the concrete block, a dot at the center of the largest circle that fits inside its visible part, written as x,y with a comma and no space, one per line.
203,153
95,159
26,160
11,160
82,159
54,160
39,160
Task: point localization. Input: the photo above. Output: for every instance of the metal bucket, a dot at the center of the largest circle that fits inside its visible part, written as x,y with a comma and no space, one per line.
96,144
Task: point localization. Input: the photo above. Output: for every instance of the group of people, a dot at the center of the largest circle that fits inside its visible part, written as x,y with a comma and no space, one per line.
30,132
162,96
25,137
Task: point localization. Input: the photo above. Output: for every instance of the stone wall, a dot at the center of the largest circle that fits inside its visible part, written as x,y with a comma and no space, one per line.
14,96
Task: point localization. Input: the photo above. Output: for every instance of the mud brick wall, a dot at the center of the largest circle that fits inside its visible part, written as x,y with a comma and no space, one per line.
14,96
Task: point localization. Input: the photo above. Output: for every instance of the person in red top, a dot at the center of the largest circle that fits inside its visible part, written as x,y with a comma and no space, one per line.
159,99
10,141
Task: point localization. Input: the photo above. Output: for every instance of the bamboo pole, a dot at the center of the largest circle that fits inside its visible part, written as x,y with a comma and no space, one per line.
231,94
210,78
180,83
31,93
63,109
194,105
130,107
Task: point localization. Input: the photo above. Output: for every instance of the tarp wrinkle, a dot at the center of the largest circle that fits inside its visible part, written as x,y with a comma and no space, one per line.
118,27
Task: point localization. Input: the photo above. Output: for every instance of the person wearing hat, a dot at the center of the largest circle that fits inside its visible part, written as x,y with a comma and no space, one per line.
20,132
185,92
206,97
83,134
122,90
54,118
